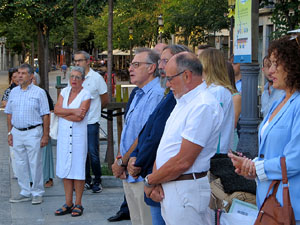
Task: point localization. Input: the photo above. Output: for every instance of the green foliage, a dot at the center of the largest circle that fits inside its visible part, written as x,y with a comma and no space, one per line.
195,19
285,15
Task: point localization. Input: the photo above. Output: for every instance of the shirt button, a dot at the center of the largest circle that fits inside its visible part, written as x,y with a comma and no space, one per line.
70,135
70,143
70,126
262,156
70,152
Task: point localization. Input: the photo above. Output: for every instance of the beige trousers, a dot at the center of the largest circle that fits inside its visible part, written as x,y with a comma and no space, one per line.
139,212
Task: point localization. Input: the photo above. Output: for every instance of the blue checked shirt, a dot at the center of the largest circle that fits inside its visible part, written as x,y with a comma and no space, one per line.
143,104
27,106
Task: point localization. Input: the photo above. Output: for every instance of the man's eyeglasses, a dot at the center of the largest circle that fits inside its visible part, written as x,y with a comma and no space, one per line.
79,60
170,78
75,77
137,64
163,61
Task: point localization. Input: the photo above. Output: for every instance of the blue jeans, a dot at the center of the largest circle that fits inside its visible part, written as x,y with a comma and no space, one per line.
93,154
156,216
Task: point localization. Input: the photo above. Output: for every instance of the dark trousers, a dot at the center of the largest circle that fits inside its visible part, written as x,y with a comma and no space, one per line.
93,154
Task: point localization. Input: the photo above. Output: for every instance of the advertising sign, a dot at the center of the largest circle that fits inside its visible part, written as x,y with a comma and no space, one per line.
242,32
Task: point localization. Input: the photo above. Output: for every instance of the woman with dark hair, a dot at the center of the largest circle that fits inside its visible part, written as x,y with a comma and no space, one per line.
13,82
237,103
279,133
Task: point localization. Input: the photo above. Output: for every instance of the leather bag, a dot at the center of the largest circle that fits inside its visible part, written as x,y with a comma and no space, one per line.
271,213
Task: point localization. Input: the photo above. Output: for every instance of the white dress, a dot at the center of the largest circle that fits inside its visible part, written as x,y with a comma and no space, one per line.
72,140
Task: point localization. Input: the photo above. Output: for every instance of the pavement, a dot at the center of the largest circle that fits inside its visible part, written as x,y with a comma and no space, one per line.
97,207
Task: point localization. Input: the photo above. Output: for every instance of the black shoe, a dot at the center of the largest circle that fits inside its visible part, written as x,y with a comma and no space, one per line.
119,216
97,188
87,186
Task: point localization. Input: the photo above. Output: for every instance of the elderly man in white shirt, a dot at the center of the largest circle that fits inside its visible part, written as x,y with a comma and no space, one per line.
179,179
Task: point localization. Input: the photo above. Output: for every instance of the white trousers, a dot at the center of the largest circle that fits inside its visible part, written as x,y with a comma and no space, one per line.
140,213
186,201
28,159
12,161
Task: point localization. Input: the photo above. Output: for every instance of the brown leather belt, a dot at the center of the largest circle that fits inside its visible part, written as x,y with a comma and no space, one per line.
191,176
28,128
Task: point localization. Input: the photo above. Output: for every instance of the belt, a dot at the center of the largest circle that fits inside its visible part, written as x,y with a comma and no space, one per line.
191,176
28,128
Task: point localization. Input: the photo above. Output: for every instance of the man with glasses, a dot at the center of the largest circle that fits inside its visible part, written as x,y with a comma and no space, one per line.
142,70
96,85
143,157
179,178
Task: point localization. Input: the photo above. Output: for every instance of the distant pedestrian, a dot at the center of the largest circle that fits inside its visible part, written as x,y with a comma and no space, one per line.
72,108
237,72
270,94
64,70
27,112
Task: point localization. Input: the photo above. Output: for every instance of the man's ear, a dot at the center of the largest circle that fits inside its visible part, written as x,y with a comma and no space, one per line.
152,68
187,76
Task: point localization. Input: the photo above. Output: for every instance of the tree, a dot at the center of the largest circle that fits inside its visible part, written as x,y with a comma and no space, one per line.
285,15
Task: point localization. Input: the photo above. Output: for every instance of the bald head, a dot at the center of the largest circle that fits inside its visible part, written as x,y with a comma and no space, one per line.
160,47
188,61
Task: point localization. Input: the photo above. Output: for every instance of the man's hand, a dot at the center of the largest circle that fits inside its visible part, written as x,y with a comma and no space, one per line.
148,190
133,170
10,140
118,170
44,140
157,193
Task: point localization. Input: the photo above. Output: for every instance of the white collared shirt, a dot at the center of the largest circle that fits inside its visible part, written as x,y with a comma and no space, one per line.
197,117
96,85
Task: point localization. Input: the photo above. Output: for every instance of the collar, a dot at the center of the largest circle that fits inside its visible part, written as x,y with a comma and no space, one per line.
89,73
189,96
150,85
28,87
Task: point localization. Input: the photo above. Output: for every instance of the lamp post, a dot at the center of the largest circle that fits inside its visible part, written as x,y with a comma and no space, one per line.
130,42
161,27
231,4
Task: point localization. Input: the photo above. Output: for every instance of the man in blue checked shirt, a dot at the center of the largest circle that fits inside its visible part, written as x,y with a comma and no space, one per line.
27,112
149,94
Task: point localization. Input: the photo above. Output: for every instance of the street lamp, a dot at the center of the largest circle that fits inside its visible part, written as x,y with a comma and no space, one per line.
231,4
130,30
161,26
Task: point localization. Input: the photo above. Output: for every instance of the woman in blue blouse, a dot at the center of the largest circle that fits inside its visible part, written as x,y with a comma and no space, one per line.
279,133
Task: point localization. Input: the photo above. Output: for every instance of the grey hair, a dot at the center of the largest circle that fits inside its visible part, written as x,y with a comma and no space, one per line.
80,70
152,57
37,78
84,53
189,62
175,49
27,67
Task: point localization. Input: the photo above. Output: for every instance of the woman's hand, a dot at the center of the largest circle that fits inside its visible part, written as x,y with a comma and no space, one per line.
243,166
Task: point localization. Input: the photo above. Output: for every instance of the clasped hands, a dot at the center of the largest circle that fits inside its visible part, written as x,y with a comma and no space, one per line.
243,165
80,112
156,193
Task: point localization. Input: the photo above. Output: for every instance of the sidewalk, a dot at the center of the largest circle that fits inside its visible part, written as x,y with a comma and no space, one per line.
98,207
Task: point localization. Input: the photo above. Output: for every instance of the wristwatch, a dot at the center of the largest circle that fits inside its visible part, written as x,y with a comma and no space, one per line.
146,182
120,161
9,133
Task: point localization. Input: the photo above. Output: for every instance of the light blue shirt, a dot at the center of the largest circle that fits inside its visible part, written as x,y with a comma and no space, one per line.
238,85
268,100
143,104
27,106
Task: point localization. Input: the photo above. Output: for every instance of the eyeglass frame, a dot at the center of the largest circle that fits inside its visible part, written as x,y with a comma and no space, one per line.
170,78
164,61
76,77
136,65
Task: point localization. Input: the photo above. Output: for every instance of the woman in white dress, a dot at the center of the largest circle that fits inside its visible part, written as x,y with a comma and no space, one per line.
72,108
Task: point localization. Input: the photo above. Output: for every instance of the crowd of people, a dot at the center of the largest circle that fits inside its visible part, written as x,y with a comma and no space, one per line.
184,110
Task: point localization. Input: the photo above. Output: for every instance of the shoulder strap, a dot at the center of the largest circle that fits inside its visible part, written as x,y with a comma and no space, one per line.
283,170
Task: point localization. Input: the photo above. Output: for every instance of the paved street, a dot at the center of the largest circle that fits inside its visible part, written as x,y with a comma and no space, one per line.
98,207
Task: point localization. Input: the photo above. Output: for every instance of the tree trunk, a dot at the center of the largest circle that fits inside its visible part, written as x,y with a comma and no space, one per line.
110,146
43,53
75,23
32,54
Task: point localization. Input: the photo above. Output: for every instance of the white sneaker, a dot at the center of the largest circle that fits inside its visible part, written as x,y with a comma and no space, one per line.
19,198
37,200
